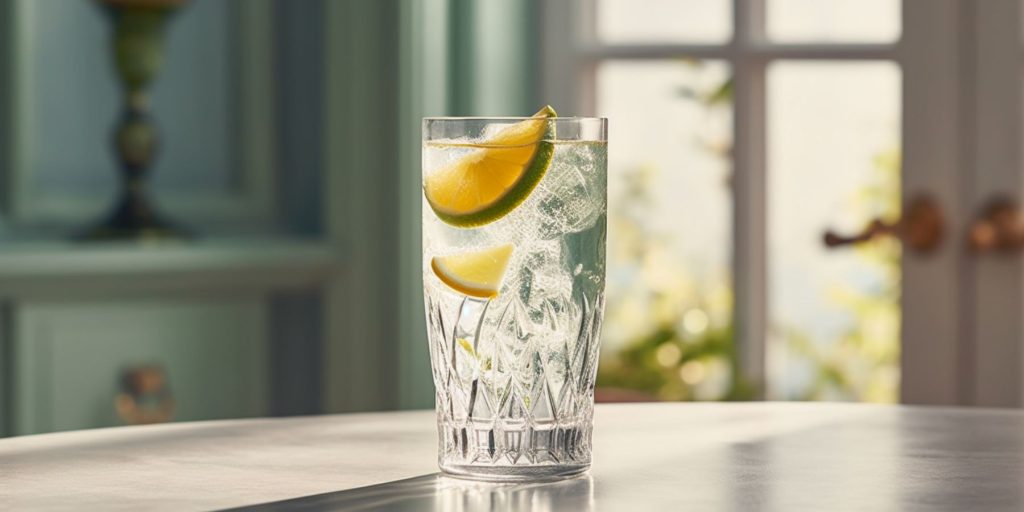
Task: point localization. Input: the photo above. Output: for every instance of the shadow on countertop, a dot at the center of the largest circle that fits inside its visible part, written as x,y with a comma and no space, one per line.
438,492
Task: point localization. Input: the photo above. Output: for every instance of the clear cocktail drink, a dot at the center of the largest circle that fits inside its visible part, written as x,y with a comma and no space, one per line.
514,223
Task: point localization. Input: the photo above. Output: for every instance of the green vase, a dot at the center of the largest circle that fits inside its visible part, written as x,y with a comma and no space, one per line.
138,50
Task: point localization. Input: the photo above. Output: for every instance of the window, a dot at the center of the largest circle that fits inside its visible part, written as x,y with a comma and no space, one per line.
740,131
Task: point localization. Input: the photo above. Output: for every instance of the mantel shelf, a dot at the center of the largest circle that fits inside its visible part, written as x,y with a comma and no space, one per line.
65,269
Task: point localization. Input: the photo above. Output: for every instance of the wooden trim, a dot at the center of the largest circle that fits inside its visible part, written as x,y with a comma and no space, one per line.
255,124
361,201
934,126
460,72
561,69
750,204
994,305
6,372
425,63
502,72
20,99
59,270
251,200
8,41
26,406
295,343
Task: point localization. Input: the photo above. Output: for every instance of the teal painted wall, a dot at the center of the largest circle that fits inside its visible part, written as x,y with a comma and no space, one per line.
400,60
68,117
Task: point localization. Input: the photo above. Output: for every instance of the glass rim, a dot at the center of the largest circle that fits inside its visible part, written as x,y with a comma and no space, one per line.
513,118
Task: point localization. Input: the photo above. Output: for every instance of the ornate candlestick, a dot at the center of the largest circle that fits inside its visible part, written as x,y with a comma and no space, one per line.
137,46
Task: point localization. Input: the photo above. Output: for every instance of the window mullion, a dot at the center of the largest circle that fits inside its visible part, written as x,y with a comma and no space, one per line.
749,192
729,51
748,22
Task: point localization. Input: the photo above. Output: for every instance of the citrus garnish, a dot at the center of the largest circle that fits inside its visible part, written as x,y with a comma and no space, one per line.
496,177
477,274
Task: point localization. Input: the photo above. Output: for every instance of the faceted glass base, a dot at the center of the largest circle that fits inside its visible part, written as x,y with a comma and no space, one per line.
541,473
514,454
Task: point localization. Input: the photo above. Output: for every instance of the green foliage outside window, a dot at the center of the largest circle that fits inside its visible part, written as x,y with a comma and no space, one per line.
684,343
863,363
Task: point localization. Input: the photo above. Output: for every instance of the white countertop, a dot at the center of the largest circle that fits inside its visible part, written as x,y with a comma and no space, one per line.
751,456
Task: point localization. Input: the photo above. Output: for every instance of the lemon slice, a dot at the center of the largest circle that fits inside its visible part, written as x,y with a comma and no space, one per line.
477,274
495,178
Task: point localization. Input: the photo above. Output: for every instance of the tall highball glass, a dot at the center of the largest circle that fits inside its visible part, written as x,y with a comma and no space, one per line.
514,226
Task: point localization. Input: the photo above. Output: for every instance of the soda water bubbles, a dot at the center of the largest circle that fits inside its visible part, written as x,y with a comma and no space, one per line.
571,194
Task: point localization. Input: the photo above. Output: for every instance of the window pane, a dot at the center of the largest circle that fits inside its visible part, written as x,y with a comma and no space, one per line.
664,21
833,143
852,21
668,321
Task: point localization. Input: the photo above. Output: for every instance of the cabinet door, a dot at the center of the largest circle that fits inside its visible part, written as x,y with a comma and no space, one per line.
68,358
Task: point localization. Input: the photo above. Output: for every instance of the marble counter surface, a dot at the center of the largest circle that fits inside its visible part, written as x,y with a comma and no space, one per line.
753,456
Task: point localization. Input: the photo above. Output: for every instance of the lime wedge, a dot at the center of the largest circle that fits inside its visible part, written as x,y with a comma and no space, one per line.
496,177
477,274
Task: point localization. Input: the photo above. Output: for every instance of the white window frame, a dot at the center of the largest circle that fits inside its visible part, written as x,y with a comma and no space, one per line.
930,54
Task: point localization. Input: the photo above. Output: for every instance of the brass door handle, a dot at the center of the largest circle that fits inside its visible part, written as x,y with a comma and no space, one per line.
921,228
999,228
